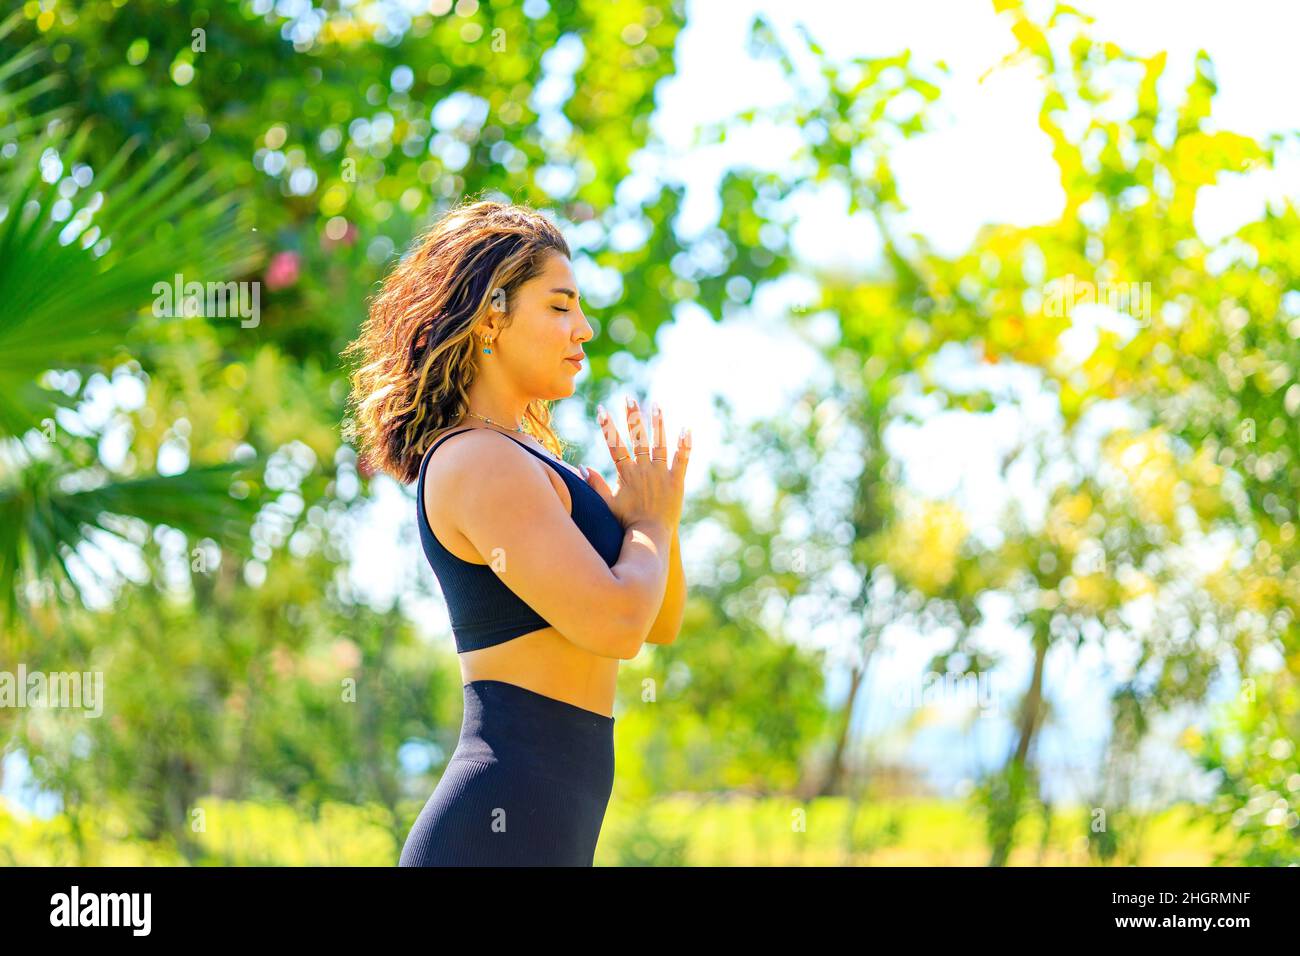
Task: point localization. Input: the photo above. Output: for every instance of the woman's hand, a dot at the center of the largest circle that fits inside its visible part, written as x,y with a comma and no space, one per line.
648,489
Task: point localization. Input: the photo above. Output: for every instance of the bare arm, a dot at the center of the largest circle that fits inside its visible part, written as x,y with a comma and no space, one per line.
669,622
650,579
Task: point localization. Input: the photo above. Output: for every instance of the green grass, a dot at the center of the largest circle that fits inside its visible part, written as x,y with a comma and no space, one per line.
682,830
741,831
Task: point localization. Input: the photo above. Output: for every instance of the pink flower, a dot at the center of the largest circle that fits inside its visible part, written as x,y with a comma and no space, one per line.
283,270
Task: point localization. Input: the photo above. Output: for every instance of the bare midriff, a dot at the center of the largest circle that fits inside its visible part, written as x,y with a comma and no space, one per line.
543,661
547,663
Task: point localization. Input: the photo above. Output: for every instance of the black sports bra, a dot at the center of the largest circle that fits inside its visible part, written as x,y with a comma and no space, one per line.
483,609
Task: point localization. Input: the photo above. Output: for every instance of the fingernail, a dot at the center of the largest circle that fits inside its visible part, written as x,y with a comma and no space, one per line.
631,402
601,414
688,438
584,471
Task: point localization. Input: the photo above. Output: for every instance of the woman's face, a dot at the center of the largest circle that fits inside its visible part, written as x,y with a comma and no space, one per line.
547,329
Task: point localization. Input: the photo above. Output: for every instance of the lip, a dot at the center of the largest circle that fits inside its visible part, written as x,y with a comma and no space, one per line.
577,362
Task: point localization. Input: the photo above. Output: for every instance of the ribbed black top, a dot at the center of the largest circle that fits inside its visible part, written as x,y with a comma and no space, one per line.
483,609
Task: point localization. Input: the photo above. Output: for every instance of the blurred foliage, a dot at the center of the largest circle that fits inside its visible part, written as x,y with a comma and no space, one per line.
287,692
377,118
1209,364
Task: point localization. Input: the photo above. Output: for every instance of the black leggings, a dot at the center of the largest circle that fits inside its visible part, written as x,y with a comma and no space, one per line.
527,785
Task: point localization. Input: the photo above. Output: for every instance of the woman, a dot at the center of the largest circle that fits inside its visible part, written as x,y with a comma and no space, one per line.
551,578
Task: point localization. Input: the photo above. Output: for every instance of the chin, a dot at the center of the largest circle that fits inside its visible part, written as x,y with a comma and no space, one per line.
559,389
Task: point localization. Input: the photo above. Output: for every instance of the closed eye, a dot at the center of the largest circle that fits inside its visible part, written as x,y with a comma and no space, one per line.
558,309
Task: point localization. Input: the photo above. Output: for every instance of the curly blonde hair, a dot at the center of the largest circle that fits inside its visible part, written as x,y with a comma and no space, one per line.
417,346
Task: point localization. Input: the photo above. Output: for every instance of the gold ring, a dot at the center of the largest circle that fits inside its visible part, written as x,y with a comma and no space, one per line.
624,458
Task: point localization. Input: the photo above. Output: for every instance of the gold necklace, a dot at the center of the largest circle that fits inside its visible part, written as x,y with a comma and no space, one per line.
543,450
491,422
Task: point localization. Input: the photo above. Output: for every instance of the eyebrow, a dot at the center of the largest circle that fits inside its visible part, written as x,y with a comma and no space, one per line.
569,292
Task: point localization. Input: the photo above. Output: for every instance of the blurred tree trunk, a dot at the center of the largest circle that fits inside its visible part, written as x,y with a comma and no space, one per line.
378,767
1016,774
831,782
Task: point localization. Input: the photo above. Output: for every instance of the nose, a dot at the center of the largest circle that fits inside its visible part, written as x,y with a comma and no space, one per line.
588,332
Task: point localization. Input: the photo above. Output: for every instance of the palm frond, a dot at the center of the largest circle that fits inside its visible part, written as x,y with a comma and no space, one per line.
42,526
72,283
15,124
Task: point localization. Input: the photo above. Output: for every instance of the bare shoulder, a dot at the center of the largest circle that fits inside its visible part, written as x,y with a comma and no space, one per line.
475,452
479,464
